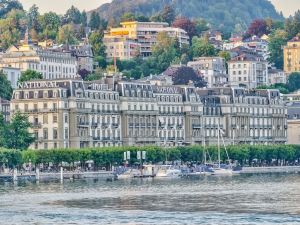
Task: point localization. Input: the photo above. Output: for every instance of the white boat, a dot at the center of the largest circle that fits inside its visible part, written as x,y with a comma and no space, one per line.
129,174
222,172
168,172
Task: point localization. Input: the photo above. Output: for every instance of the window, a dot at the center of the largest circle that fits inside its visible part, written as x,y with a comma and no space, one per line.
26,107
45,119
55,135
66,133
54,118
45,133
36,134
66,118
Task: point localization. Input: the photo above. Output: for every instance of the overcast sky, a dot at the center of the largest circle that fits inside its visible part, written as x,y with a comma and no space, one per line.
288,7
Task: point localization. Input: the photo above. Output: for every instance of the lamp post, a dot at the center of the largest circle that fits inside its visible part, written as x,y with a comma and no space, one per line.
141,155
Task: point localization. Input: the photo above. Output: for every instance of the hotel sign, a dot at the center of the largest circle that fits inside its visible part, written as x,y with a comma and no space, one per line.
38,84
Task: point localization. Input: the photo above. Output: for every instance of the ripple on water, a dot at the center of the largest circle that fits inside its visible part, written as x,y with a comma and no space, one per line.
257,199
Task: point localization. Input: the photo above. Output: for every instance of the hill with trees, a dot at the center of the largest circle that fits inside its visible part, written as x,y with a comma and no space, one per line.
225,15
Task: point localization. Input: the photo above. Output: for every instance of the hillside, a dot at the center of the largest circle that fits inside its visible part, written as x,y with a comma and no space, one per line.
221,14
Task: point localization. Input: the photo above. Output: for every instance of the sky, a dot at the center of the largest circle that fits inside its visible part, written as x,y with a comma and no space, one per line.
288,7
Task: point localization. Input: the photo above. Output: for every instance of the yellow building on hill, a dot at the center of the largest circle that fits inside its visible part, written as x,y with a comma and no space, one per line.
143,33
292,56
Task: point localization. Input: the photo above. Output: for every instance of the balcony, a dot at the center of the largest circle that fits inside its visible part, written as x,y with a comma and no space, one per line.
94,124
83,124
36,125
104,125
196,126
115,125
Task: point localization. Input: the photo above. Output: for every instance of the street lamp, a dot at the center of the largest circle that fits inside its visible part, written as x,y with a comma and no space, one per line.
141,155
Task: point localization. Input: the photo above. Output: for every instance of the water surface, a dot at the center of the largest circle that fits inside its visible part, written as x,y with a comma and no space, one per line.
247,200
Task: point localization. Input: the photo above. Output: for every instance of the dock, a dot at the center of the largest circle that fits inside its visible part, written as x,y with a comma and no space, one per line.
271,169
58,176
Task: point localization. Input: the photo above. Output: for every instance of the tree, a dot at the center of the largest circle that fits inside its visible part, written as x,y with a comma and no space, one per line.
293,83
30,75
201,47
128,17
32,17
101,61
66,35
97,75
95,21
95,40
292,25
226,56
84,18
72,15
258,27
2,129
185,24
11,28
184,75
7,5
164,51
168,14
5,87
50,23
277,40
201,25
16,135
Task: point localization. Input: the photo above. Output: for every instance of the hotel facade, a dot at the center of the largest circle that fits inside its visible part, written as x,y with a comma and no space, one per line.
75,114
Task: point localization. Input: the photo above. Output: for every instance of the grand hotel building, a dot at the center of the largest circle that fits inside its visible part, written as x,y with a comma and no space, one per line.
74,114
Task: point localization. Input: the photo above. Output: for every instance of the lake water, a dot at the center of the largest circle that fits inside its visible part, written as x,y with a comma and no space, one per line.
255,199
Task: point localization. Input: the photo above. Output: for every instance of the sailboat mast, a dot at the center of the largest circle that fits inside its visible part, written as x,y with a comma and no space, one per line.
219,151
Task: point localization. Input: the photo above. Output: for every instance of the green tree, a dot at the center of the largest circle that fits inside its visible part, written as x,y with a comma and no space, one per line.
201,47
95,21
50,23
5,87
127,17
201,25
292,25
30,75
277,40
226,56
32,17
164,52
101,61
95,40
168,14
294,82
84,18
66,35
7,5
2,129
16,135
97,75
73,15
11,28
